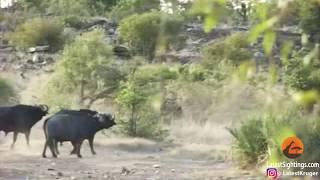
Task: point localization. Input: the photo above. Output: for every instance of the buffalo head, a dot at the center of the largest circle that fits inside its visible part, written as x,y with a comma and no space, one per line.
107,120
44,108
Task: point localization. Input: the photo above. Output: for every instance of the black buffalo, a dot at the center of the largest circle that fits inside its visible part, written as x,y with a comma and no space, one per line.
20,119
74,127
78,112
81,112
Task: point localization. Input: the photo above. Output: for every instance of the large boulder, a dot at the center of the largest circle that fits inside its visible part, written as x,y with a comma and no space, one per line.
121,51
39,49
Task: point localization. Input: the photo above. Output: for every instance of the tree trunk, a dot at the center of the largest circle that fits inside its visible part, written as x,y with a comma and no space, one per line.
132,122
81,96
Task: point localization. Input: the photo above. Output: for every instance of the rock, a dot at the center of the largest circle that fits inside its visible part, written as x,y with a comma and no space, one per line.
29,61
49,60
125,171
60,174
37,58
73,178
183,57
156,166
121,51
100,22
39,49
51,169
157,172
173,170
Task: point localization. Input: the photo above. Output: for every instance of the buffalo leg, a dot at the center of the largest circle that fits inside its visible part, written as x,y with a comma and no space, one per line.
51,146
56,148
27,134
45,149
78,147
91,145
74,150
15,136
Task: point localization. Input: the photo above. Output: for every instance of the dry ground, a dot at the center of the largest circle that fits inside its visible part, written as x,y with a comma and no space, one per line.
117,158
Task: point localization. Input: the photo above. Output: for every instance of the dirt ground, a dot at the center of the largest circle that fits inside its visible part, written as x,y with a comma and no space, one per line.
117,158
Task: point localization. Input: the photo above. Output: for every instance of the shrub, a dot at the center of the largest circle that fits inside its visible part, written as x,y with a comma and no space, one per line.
139,116
309,16
74,22
144,31
251,142
301,76
145,124
259,138
38,32
6,91
126,8
232,49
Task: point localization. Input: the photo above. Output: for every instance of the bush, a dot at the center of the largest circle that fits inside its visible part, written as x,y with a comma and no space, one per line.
232,49
251,142
144,31
6,91
147,125
139,116
126,8
37,32
259,138
74,22
309,17
301,76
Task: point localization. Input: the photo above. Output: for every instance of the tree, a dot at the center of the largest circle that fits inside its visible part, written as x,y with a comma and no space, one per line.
86,67
144,31
6,91
138,117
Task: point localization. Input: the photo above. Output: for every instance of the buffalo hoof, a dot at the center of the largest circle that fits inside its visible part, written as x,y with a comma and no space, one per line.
79,156
72,152
94,153
44,156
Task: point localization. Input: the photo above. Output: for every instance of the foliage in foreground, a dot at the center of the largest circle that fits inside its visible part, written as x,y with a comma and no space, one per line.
258,139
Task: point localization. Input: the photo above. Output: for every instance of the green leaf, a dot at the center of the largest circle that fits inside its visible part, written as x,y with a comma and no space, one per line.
261,28
285,51
268,41
209,23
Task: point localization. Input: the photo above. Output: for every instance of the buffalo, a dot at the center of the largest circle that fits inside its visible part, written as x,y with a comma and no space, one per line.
81,112
74,126
20,119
